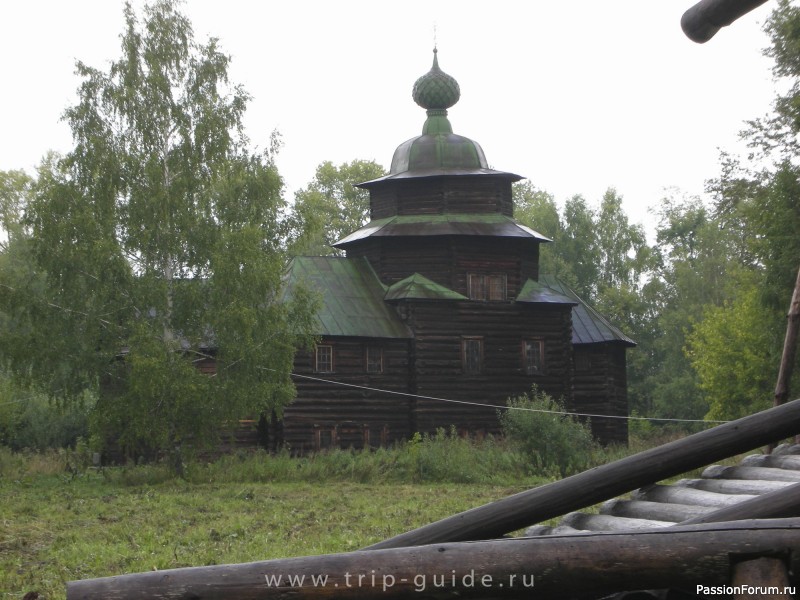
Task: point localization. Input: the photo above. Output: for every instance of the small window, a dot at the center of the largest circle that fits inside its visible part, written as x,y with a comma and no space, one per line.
324,359
497,288
472,355
487,287
374,359
533,357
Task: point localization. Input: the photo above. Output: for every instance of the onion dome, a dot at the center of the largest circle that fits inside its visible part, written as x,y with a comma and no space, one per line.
438,148
436,89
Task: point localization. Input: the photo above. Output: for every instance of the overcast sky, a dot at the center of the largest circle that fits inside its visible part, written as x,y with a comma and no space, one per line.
576,96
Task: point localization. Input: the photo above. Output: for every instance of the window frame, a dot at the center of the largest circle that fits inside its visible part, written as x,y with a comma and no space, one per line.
330,349
480,287
465,354
368,352
527,366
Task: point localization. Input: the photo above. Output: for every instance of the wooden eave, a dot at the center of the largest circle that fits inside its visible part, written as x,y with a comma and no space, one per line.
462,224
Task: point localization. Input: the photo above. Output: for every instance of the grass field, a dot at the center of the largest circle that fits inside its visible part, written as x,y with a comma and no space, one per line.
61,520
56,526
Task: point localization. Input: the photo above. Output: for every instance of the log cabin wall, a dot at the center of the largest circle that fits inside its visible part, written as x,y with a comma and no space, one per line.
441,327
440,195
600,387
325,415
448,260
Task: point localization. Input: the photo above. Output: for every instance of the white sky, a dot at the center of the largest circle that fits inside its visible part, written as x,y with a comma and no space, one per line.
576,96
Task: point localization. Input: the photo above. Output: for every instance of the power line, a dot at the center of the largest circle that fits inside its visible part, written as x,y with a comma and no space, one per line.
496,407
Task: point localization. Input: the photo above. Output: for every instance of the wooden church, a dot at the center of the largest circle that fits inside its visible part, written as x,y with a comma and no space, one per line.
438,313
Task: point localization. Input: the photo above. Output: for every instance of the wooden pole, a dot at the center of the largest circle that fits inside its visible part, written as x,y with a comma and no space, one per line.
538,567
607,481
789,346
703,20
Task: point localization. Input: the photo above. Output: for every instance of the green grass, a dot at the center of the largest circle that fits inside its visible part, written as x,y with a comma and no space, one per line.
61,520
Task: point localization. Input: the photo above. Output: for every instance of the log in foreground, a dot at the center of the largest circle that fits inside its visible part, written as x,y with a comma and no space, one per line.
607,481
778,504
703,20
680,557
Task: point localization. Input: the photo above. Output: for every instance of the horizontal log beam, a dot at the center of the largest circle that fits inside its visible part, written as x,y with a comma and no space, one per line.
687,495
549,566
607,481
778,504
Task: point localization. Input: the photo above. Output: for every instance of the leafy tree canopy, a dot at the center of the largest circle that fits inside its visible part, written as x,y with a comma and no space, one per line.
157,239
331,206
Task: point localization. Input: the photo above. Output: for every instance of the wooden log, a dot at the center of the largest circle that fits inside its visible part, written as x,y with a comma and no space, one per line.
538,567
780,503
607,481
763,578
791,462
688,495
734,486
753,473
789,346
787,449
703,20
590,522
655,511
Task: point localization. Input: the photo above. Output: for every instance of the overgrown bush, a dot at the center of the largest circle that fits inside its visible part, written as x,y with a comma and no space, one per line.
30,421
556,444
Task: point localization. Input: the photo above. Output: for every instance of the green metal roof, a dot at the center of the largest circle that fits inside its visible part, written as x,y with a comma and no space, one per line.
536,293
352,297
420,287
489,224
588,325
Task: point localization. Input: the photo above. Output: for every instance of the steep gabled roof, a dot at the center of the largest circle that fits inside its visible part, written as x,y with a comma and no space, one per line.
419,287
351,295
588,325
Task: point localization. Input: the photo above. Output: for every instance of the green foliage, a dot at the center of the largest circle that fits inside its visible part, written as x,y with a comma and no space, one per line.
29,420
15,189
331,206
538,210
155,245
733,350
554,443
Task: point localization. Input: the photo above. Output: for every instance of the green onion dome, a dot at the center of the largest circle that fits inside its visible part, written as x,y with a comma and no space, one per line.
438,147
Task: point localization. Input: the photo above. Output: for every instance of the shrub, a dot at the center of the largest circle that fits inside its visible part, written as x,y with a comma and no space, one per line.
30,421
554,443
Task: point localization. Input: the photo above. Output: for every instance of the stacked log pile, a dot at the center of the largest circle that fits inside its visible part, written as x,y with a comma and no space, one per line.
696,500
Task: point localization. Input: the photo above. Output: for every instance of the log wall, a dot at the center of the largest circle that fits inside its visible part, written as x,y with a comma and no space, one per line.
600,387
439,371
448,259
439,195
328,415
